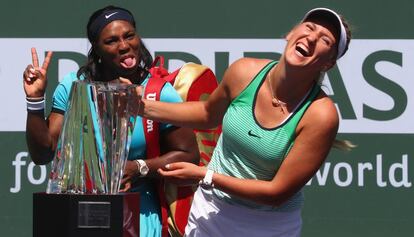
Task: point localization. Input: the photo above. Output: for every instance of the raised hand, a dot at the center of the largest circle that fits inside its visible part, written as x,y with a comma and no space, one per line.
34,77
138,107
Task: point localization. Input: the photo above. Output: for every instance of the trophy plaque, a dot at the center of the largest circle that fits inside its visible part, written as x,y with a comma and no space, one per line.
82,196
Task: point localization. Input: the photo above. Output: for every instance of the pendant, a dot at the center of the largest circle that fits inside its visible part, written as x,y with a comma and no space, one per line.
277,103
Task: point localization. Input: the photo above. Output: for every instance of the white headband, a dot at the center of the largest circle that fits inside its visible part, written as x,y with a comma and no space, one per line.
342,36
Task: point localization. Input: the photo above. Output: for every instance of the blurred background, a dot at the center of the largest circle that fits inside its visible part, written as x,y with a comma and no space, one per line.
365,192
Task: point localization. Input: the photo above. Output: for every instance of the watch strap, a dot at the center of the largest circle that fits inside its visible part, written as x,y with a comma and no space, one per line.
207,181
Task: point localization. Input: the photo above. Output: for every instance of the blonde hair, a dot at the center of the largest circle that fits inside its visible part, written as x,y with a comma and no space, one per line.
344,145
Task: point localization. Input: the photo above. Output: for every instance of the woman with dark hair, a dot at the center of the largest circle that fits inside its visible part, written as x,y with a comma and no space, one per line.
117,52
94,68
278,128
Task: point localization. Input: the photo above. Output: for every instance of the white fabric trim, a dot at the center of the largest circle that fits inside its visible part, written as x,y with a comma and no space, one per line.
210,216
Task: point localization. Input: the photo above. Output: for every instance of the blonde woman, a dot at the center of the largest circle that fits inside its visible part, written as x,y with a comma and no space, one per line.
278,128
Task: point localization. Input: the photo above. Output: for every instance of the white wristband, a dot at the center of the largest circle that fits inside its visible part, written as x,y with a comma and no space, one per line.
207,182
35,105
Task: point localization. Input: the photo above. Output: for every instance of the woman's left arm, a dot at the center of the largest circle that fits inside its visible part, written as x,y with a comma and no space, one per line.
315,134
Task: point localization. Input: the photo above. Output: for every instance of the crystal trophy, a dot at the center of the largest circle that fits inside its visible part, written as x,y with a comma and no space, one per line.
94,142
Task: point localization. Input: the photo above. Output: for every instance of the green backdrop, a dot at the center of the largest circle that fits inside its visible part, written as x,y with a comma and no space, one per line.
365,192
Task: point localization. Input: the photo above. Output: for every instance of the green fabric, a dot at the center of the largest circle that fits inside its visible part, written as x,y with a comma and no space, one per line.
248,150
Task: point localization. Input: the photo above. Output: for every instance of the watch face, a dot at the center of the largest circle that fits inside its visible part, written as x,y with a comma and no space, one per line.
143,170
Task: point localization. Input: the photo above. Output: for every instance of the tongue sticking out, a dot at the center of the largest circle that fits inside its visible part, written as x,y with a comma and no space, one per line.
128,62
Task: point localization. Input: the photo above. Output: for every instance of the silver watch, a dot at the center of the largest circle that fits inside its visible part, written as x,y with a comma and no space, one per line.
142,168
207,181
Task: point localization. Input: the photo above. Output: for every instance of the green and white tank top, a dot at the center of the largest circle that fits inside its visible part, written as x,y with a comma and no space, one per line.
247,150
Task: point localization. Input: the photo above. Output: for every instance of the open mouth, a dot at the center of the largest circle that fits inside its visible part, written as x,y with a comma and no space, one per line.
128,62
302,50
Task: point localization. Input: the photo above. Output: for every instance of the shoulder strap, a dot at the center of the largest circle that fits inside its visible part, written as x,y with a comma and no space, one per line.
151,128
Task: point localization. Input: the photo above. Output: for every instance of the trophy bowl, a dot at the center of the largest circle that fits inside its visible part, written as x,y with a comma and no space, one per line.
94,142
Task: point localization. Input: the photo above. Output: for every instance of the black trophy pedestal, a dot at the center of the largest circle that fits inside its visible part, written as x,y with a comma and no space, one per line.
69,215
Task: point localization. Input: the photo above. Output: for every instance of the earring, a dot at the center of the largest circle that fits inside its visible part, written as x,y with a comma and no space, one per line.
99,60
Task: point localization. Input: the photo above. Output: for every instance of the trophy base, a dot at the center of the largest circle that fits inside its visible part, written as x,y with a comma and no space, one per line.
70,215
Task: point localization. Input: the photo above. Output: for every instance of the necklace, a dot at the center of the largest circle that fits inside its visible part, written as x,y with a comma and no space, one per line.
275,101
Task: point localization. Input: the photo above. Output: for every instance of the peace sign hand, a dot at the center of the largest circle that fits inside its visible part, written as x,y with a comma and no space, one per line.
34,77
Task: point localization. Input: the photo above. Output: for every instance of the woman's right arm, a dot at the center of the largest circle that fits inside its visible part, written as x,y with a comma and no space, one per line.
203,114
41,134
193,114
